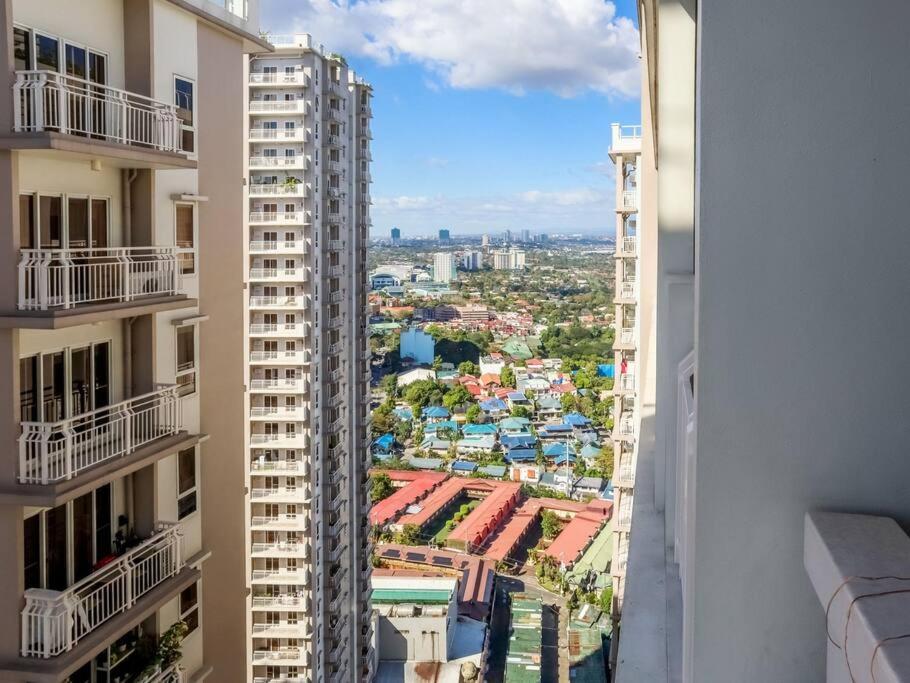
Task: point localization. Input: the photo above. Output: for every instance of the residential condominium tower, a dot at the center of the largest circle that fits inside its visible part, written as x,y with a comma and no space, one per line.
444,267
308,368
122,198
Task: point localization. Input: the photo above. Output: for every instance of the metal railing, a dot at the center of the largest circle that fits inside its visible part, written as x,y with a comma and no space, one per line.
629,245
277,245
55,621
278,189
45,101
278,356
294,274
64,278
172,674
278,78
257,301
627,381
627,335
296,133
279,329
50,452
287,217
277,106
629,199
286,383
627,290
295,161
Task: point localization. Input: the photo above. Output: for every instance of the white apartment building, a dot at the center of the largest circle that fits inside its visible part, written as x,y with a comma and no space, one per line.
770,481
509,259
308,368
116,186
444,267
625,151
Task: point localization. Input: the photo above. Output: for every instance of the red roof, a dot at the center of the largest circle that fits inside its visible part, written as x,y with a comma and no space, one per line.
575,537
486,517
473,389
536,362
465,379
436,501
488,378
389,508
503,392
564,388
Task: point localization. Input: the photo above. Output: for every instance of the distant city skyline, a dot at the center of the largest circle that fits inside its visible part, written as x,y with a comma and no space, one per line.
524,133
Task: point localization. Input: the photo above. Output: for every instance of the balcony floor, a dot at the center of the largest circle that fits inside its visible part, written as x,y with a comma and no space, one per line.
52,495
56,669
59,318
86,148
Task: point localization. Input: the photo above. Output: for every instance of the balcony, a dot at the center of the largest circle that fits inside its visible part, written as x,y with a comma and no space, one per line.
625,140
60,459
299,577
625,339
283,384
625,384
278,107
627,247
332,114
296,78
54,111
624,515
295,162
365,154
283,656
66,287
270,247
334,167
625,428
269,190
295,330
267,302
277,467
295,134
280,630
281,494
279,413
336,271
628,201
278,217
277,602
280,522
280,549
54,622
278,274
625,475
335,141
627,292
336,88
279,357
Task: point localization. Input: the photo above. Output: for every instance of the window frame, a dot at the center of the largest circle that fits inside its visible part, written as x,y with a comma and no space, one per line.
193,609
187,370
194,111
193,490
193,251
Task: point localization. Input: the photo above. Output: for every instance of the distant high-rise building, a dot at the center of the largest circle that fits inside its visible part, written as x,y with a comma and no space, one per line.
472,260
507,236
485,241
543,238
443,267
444,235
526,235
396,235
509,259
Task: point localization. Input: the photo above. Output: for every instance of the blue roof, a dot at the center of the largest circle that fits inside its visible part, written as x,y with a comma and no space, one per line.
576,419
472,429
556,449
589,450
435,411
521,455
549,402
605,370
384,442
493,470
555,429
403,413
561,460
514,424
463,466
492,404
516,396
443,424
518,440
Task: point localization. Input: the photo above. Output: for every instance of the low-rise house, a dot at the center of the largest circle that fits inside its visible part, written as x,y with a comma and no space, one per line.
518,440
559,449
562,387
414,375
494,408
447,377
463,468
538,386
435,414
435,445
436,428
485,429
588,486
483,443
577,421
382,446
521,455
590,453
548,409
403,413
525,473
514,425
493,471
554,431
424,463
490,382
517,398
493,364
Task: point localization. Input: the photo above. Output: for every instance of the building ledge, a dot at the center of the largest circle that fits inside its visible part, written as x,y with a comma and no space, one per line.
52,495
59,318
650,633
57,669
859,566
87,149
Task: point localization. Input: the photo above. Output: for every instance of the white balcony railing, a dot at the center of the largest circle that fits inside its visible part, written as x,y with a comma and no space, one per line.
286,384
278,329
627,381
277,190
280,466
257,301
278,274
629,200
627,426
627,335
278,107
278,78
172,674
297,161
296,134
627,290
278,246
47,101
278,217
629,245
296,357
50,452
64,278
55,621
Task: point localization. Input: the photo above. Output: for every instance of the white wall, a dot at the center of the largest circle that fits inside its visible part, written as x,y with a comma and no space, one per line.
801,330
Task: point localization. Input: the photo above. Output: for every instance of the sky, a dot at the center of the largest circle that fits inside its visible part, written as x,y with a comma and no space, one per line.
487,114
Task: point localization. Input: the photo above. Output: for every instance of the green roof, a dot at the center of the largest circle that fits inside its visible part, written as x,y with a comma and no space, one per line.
384,327
586,662
417,596
523,656
598,555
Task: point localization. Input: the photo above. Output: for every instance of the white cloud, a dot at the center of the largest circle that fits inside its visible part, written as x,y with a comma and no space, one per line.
561,46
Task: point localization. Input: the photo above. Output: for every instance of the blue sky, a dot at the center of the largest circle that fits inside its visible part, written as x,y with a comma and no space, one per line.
485,121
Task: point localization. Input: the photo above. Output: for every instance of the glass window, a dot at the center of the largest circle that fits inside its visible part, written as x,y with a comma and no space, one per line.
50,210
186,359
77,222
26,221
47,53
189,607
22,49
99,223
185,100
186,238
186,482
32,555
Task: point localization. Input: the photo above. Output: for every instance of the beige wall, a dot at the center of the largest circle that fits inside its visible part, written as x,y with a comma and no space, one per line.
222,241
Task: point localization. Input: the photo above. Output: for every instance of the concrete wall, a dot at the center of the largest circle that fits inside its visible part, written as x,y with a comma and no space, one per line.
222,241
801,336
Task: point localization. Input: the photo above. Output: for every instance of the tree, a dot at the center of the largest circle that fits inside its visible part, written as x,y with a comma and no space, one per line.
437,363
383,420
549,524
389,384
473,413
507,377
467,368
605,460
606,600
402,431
380,487
422,393
567,401
410,535
521,411
456,396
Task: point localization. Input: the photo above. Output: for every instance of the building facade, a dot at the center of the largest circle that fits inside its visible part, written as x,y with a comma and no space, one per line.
509,259
444,267
396,236
472,260
308,367
121,201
